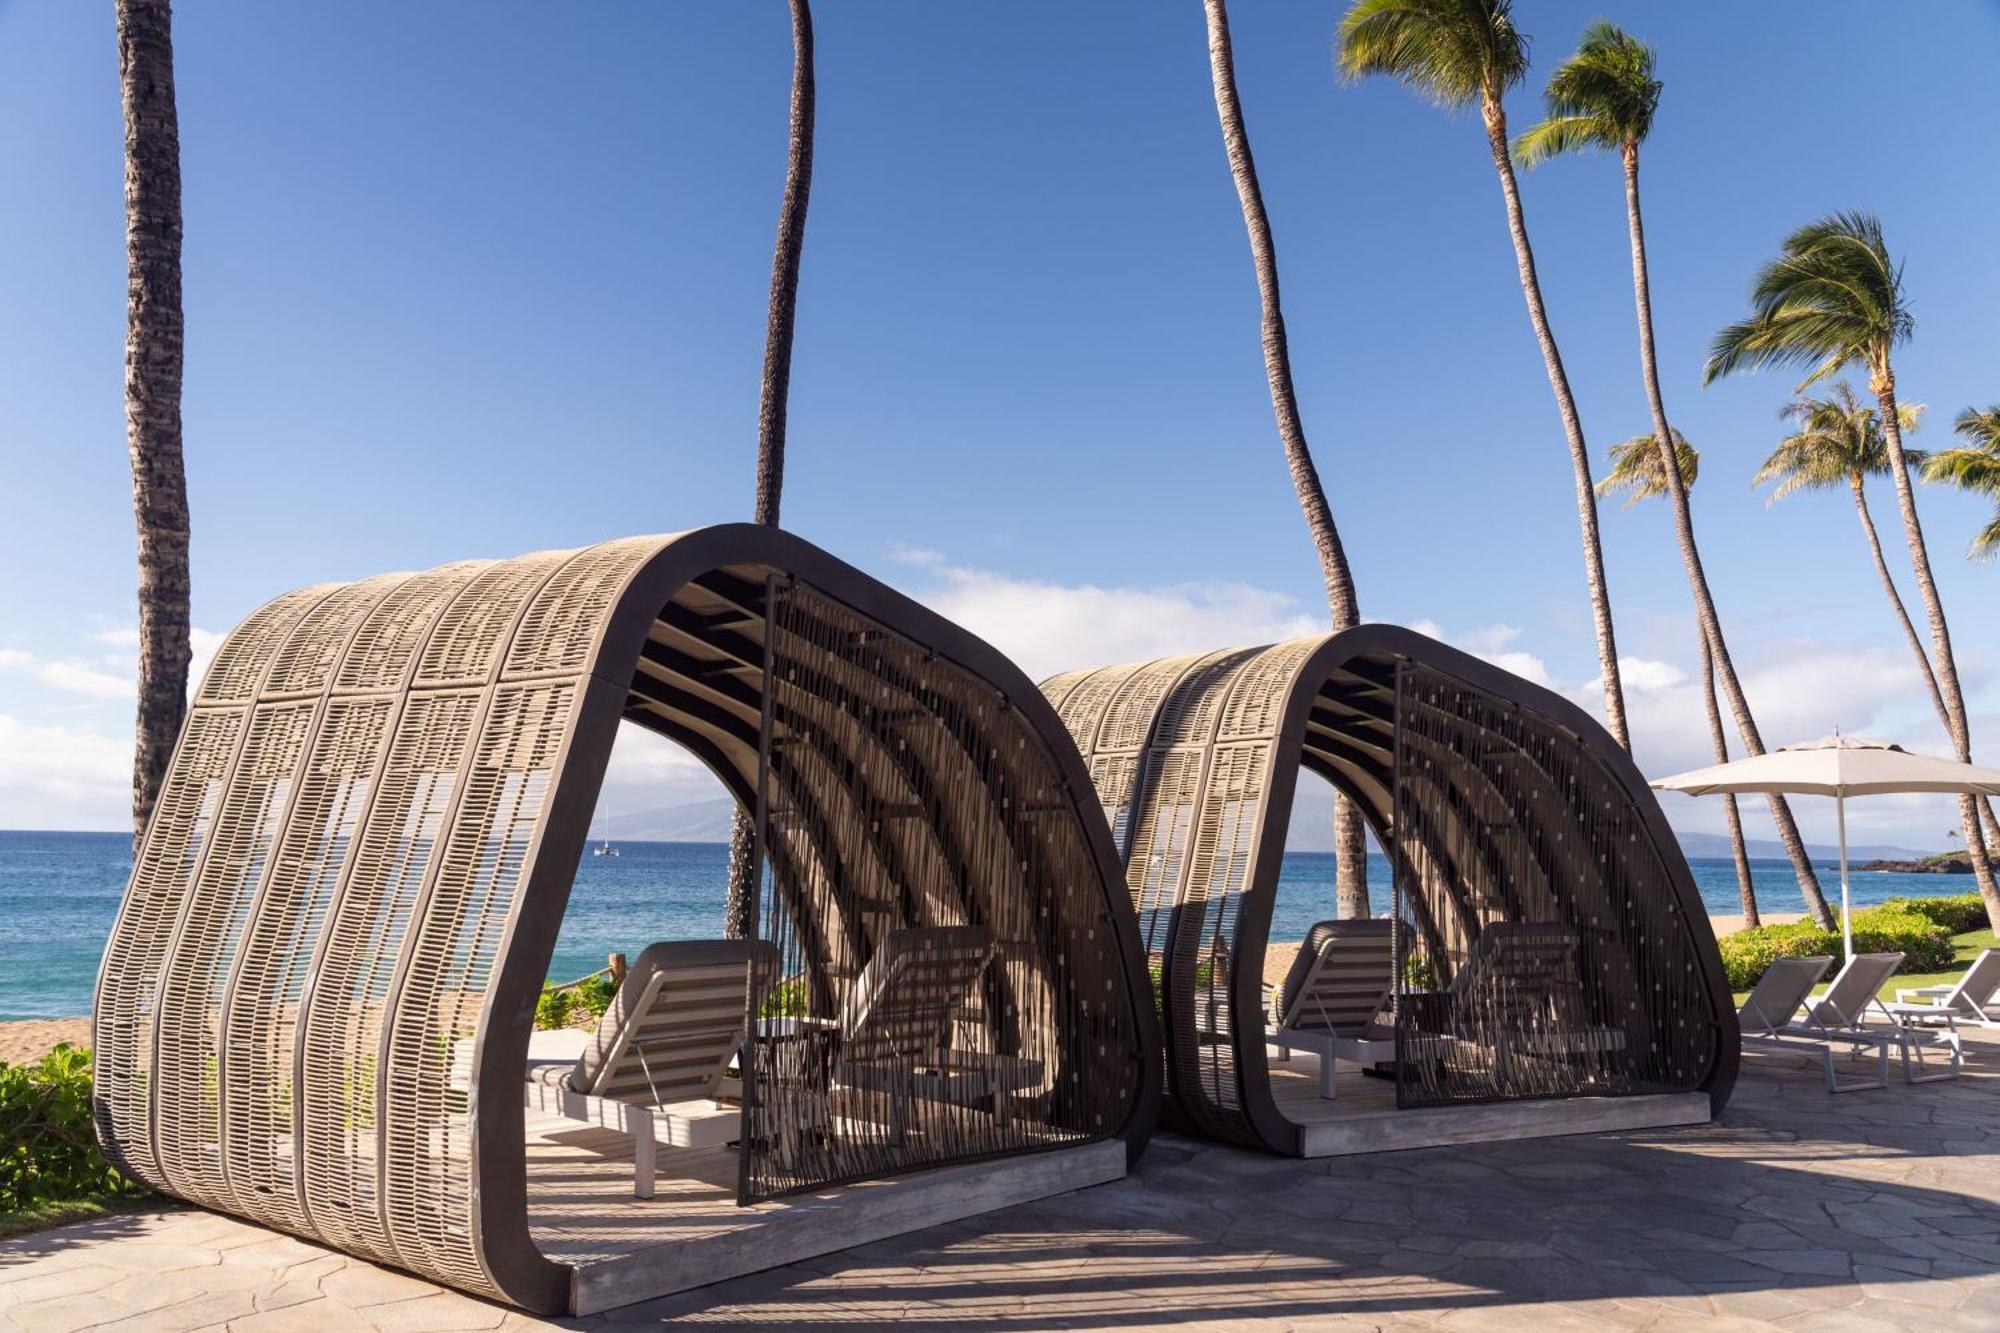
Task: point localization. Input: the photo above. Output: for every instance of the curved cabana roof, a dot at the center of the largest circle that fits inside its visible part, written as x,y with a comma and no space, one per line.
315,1006
1499,803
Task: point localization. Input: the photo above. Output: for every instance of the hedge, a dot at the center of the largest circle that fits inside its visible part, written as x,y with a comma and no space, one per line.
48,1151
1890,928
1959,913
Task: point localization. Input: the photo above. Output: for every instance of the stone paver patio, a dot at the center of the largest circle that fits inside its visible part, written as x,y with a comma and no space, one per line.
1875,1210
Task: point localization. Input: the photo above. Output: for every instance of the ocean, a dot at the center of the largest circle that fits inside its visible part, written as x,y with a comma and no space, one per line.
60,891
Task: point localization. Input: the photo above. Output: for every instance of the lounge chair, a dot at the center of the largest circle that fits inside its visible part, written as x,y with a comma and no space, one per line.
1339,983
896,1027
1520,994
1772,1017
1968,1000
656,1064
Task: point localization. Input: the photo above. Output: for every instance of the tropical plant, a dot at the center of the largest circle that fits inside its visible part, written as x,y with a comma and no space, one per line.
774,391
1637,473
1350,844
1833,299
153,332
48,1151
1458,52
1605,97
1976,468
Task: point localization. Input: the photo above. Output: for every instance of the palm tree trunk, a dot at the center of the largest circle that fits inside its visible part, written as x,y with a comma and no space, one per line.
1716,660
1746,889
1882,380
1495,117
1349,844
1856,483
153,334
774,392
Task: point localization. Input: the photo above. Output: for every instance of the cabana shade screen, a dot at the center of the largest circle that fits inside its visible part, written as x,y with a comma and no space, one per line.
1554,944
315,1004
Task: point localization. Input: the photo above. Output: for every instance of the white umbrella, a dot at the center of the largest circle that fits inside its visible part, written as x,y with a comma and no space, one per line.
1838,766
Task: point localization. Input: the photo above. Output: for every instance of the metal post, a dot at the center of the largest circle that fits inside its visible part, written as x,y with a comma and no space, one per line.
1846,918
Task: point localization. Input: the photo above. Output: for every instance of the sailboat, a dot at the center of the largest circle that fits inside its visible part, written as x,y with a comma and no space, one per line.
604,848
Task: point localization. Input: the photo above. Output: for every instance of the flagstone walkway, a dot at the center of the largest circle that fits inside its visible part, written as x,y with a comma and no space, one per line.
1868,1211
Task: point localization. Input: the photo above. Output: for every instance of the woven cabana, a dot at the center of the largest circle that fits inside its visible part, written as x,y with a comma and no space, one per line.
315,1007
1550,943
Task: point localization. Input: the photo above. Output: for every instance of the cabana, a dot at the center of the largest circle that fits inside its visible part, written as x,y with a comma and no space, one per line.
1548,968
315,1007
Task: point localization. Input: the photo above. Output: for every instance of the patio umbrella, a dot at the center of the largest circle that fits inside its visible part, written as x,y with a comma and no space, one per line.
1838,766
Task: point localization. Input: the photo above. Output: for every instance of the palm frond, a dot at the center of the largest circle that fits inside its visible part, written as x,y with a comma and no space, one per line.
1562,134
1832,298
1451,51
1980,425
1986,542
1636,470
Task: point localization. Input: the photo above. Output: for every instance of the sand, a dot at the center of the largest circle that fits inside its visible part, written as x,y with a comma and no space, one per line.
26,1042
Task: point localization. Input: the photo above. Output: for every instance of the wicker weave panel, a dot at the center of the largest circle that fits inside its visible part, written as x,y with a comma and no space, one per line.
313,650
261,1022
388,641
128,988
236,674
187,1093
426,1165
563,625
470,637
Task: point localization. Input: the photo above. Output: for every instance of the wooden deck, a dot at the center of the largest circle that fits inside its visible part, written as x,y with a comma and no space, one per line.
692,1233
1363,1117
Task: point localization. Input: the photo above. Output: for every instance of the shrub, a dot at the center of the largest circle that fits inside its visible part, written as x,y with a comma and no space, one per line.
1957,913
48,1153
1925,945
552,1009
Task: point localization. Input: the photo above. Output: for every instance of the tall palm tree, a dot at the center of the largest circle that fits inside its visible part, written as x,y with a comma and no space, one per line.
774,391
1457,52
153,330
1976,468
1839,442
1833,299
1350,845
1605,97
1637,473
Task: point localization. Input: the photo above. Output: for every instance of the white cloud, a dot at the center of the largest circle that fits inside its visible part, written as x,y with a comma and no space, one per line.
62,777
1051,627
70,675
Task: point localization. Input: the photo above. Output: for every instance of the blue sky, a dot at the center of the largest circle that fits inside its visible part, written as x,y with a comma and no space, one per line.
472,280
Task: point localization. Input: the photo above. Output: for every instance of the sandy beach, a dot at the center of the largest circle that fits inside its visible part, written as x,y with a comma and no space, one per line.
27,1041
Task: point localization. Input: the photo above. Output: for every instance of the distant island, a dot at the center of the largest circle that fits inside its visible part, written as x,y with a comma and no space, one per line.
1939,863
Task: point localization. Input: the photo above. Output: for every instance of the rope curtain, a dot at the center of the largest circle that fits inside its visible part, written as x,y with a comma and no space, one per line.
1547,955
949,984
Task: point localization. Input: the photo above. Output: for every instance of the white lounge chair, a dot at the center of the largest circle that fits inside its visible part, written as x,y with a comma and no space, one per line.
1339,983
655,1066
1772,1016
897,1026
1970,999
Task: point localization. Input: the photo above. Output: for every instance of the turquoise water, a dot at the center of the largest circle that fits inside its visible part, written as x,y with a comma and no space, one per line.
60,891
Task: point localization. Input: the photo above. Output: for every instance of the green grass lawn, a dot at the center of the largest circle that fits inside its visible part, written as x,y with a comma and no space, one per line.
1967,947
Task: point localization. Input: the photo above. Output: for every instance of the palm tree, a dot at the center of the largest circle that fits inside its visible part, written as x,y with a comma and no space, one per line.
1605,97
153,330
1975,468
1833,299
774,391
1839,442
1457,52
1350,845
1637,474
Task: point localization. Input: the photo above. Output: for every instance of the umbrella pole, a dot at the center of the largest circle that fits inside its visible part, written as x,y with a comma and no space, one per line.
1846,918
